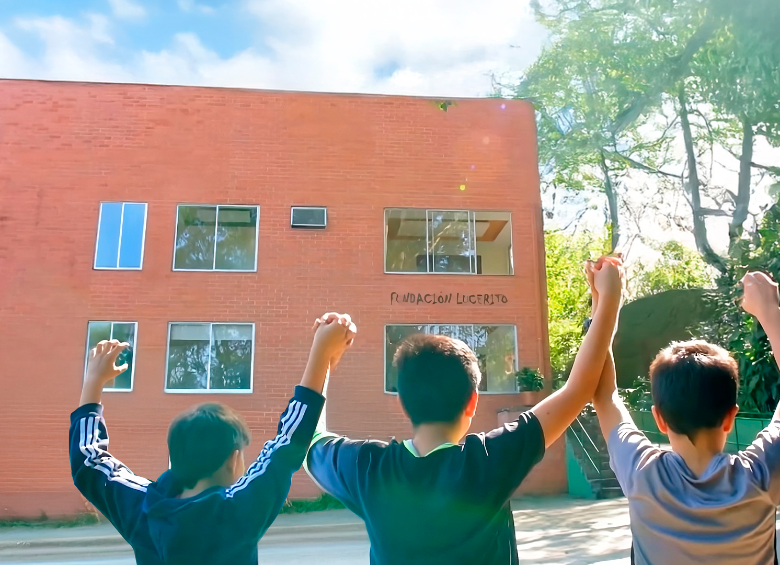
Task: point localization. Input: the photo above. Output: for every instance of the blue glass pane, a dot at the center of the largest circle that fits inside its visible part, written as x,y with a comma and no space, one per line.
108,234
132,236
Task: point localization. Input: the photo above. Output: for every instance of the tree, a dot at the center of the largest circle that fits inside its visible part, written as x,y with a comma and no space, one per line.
567,292
622,81
678,267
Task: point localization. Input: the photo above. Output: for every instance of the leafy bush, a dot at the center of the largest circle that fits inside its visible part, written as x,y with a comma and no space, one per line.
739,332
529,379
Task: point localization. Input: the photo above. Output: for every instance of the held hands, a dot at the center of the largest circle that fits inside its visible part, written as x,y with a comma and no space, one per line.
605,278
760,296
101,366
333,335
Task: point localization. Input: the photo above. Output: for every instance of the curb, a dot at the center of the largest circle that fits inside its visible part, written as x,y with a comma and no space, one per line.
314,530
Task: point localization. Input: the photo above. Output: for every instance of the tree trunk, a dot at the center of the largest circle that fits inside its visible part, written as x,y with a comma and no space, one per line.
699,225
612,203
742,202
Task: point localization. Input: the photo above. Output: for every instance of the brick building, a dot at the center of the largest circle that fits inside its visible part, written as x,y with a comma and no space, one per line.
167,216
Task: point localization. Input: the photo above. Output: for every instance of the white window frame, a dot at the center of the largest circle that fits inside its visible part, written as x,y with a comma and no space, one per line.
119,243
428,324
216,225
208,377
135,347
308,226
472,219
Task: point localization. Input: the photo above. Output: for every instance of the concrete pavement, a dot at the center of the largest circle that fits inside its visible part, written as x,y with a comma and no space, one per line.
560,531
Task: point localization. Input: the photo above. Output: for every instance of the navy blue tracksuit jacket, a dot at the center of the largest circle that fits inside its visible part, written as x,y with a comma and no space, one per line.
218,526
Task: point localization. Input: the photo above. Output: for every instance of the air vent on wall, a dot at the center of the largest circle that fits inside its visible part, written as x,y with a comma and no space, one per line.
309,217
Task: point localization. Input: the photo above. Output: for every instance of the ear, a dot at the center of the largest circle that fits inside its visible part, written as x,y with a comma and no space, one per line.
233,461
729,419
663,427
471,407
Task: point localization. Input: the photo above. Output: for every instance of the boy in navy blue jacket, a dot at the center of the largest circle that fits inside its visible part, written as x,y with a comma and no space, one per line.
206,509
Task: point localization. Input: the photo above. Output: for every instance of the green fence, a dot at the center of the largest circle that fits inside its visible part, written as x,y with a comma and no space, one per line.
746,428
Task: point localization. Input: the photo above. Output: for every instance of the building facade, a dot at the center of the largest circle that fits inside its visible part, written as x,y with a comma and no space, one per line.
210,227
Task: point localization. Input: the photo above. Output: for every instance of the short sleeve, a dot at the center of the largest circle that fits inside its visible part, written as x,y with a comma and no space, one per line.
332,463
513,450
629,452
764,452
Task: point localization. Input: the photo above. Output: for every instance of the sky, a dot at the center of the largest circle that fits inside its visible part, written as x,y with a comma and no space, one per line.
416,47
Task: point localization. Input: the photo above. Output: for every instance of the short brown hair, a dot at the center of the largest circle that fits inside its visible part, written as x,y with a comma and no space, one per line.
694,385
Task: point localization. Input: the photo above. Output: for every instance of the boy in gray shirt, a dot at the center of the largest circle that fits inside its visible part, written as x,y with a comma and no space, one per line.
696,504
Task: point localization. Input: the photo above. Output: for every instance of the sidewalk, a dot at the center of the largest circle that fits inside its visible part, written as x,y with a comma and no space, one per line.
550,531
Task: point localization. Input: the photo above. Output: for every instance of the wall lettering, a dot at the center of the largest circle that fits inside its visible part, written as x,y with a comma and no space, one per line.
448,298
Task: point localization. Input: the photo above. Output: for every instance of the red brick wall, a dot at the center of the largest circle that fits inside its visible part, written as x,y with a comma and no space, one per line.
64,147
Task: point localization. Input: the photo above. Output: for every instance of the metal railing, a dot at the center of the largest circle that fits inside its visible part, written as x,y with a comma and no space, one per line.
578,424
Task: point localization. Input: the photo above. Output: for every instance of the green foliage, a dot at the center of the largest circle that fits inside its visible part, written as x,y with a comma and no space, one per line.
739,332
324,502
529,379
567,292
639,397
678,267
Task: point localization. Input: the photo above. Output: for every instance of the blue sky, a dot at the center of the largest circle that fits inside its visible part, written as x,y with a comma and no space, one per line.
421,47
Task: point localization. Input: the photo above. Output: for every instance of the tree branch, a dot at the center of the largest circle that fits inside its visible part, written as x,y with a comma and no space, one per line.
743,187
612,203
615,155
694,185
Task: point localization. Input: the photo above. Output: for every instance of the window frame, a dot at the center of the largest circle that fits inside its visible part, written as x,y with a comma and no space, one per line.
216,225
135,348
250,390
119,242
308,226
472,214
481,392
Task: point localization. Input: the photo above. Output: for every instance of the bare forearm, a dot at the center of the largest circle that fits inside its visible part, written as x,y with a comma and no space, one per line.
771,324
609,406
589,363
316,373
91,392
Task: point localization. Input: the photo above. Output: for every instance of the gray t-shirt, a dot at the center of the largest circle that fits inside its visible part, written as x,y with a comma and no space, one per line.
725,516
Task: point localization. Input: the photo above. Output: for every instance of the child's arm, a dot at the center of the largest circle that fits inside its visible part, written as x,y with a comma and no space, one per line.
556,412
103,480
261,492
761,299
610,408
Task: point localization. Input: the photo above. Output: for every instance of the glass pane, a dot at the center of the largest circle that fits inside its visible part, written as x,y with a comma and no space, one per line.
195,237
236,238
108,235
450,242
132,236
97,332
124,332
231,358
495,347
188,356
493,232
405,240
394,336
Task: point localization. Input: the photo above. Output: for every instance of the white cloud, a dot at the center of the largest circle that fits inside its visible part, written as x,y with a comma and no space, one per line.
127,9
436,47
72,51
192,6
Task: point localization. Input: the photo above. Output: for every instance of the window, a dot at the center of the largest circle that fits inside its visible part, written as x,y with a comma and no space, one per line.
120,238
216,238
448,241
122,331
308,217
495,347
210,357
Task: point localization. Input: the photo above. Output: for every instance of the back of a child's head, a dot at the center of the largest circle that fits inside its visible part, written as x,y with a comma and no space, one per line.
437,376
694,386
201,439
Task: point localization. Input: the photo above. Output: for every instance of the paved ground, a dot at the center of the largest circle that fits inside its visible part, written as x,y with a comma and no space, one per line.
560,531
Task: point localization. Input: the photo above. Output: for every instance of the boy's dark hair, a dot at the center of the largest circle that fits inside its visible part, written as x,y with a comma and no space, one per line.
201,438
436,377
694,385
